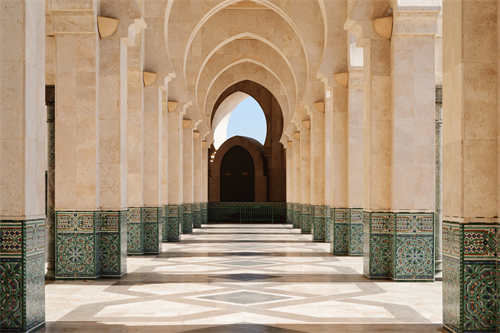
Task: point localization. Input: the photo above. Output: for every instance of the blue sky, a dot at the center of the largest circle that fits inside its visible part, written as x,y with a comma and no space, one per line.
249,120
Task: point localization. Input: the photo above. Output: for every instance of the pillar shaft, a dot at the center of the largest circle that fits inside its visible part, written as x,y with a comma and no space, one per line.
297,207
289,183
175,176
197,170
318,211
22,171
204,184
305,179
187,166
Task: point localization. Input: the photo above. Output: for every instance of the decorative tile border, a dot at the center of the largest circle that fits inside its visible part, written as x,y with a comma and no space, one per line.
470,277
297,215
187,218
328,224
289,212
355,247
173,223
135,232
22,275
153,225
319,223
197,215
306,219
341,231
377,244
113,243
204,212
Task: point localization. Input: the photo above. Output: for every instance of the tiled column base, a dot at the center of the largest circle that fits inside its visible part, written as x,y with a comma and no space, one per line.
135,232
289,213
173,223
399,246
113,243
22,276
355,238
196,215
328,224
297,215
91,244
153,219
318,223
306,220
470,277
187,218
346,231
204,212
340,239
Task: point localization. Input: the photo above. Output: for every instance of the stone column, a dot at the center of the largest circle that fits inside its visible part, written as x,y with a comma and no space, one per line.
412,142
289,182
50,224
297,207
165,162
22,165
175,176
355,162
113,155
187,179
76,143
318,176
438,217
152,211
204,182
328,165
305,177
197,170
470,166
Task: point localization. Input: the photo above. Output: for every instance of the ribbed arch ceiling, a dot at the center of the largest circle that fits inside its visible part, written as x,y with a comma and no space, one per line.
212,43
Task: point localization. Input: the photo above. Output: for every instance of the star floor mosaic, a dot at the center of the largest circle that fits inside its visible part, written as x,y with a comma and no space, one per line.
22,275
470,277
173,223
318,223
306,219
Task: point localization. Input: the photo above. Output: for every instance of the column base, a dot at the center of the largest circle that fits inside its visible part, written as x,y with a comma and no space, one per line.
399,246
22,270
187,218
173,223
152,218
297,215
340,232
204,213
306,219
470,277
135,232
328,224
196,215
289,213
318,223
113,243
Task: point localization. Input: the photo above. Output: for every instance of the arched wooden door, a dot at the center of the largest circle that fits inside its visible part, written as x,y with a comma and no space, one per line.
237,176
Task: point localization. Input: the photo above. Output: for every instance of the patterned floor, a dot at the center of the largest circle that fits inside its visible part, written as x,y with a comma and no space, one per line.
243,278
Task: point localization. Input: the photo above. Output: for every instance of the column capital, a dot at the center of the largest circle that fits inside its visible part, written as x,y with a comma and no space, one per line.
410,18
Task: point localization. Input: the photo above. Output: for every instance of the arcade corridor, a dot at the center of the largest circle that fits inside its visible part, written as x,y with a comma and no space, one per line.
243,278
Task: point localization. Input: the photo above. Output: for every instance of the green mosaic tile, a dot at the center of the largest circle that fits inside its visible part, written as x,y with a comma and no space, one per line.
318,223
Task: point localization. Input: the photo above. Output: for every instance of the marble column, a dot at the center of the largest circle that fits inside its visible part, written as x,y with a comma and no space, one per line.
165,161
76,144
289,182
113,155
204,182
297,207
438,225
305,178
175,176
197,170
470,166
50,224
152,211
328,165
22,165
187,179
317,150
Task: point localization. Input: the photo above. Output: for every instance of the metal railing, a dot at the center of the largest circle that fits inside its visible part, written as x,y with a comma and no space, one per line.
231,212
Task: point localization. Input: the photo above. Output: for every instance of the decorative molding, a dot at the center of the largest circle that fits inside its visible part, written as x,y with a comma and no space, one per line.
383,26
149,78
186,123
320,106
342,78
290,144
107,26
196,135
172,106
306,123
296,135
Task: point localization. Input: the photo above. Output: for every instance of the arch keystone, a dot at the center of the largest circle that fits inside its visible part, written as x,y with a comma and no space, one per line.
107,26
383,26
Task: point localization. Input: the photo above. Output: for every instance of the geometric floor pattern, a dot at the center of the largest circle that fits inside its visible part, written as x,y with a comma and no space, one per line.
243,278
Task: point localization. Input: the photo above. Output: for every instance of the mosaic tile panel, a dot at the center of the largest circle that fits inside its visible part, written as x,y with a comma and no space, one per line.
135,232
196,215
306,219
152,218
297,215
204,212
377,244
22,275
328,222
113,243
289,212
412,253
355,247
366,242
340,231
77,245
187,218
173,223
319,223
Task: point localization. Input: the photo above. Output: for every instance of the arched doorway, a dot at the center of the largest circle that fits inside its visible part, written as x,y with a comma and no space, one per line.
237,176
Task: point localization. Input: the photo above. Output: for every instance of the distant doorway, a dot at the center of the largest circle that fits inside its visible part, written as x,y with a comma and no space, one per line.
237,176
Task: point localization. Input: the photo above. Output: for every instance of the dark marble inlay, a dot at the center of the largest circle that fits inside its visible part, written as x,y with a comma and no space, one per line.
245,277
246,263
243,328
245,297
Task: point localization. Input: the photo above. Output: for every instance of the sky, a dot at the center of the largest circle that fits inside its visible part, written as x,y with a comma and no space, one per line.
249,120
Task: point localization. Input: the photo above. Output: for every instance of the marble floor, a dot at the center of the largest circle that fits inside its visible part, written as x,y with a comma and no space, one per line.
231,278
